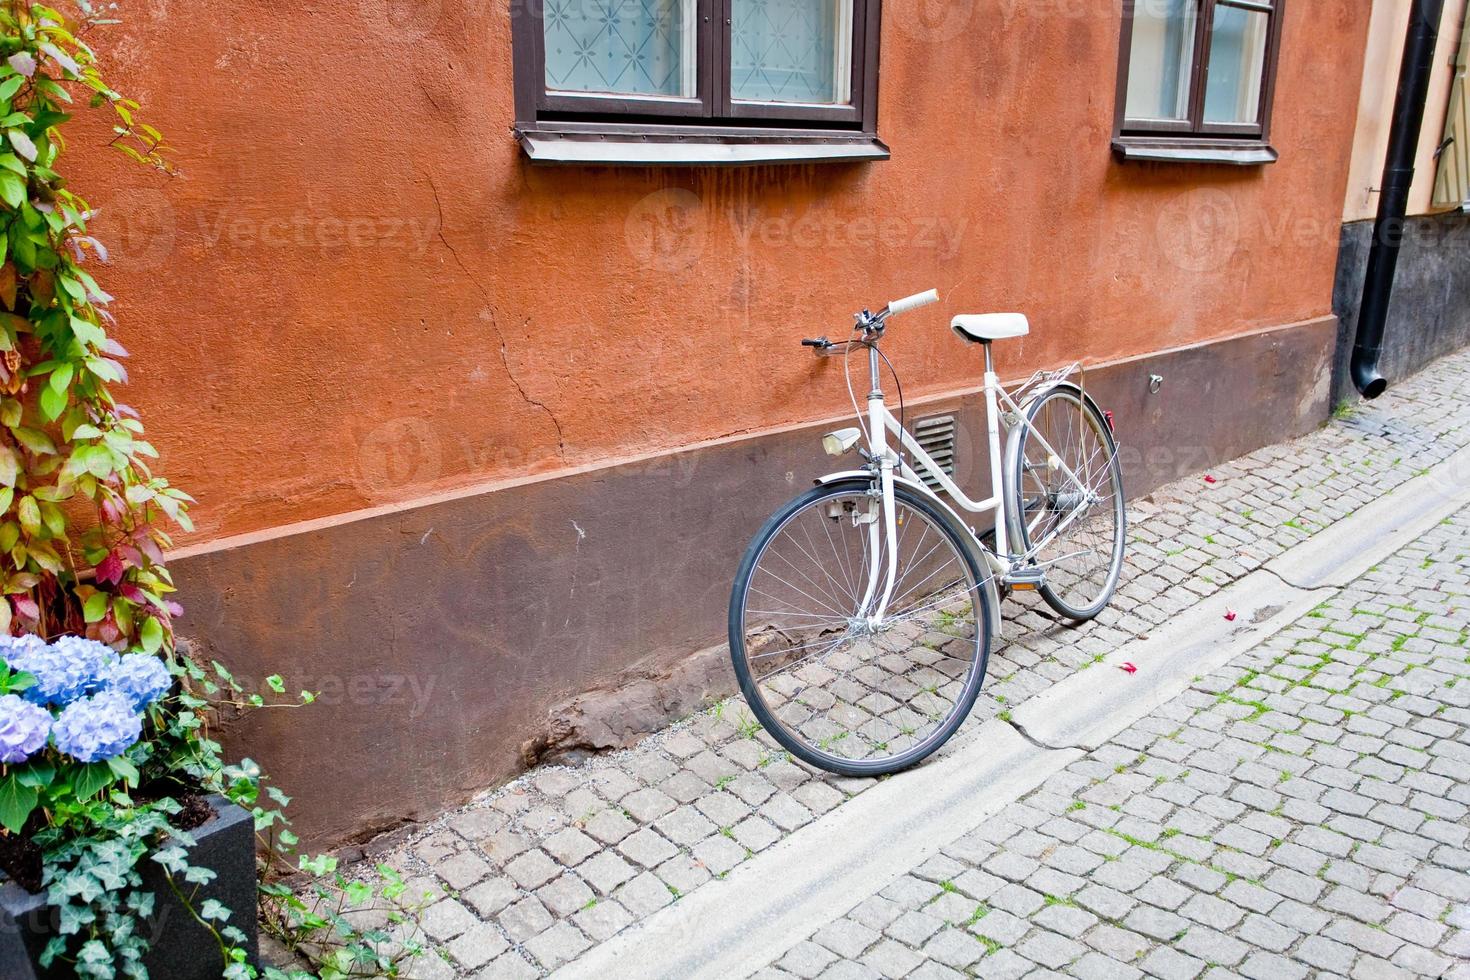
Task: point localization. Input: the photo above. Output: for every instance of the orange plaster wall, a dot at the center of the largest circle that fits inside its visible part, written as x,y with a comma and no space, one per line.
358,292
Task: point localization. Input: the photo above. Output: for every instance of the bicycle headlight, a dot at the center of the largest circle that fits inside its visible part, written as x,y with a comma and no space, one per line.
841,441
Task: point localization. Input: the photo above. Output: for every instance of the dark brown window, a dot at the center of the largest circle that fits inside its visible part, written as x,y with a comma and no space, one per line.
690,81
1195,79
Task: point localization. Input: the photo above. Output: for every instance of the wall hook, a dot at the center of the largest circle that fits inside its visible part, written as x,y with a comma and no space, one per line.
1155,382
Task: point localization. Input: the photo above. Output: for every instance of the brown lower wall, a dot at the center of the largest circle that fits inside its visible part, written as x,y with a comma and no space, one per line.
445,638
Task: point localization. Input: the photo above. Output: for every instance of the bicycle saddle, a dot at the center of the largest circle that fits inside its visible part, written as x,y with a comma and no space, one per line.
980,327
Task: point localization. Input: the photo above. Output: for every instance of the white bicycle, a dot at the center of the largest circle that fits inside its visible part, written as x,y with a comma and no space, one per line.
863,612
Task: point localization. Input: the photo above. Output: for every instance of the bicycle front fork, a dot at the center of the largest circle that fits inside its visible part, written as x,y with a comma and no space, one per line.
871,612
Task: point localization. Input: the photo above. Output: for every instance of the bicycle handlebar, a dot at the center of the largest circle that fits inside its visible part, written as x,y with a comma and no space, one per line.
913,302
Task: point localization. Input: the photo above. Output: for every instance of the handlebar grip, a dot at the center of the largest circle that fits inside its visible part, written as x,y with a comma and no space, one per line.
913,302
819,343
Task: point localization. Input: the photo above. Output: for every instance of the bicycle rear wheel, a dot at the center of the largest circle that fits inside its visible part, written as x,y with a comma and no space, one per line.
832,691
1079,524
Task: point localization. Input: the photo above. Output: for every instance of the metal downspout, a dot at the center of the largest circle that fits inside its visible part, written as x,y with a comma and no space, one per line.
1393,201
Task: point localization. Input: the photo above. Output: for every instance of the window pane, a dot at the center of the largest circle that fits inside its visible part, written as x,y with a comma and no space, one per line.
628,47
1161,59
1237,59
791,51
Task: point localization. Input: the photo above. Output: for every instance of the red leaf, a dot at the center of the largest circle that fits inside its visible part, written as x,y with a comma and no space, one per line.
1128,666
174,609
130,555
110,569
1230,615
131,592
1209,479
26,607
148,545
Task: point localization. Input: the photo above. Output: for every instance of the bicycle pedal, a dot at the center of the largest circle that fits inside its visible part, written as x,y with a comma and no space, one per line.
1026,579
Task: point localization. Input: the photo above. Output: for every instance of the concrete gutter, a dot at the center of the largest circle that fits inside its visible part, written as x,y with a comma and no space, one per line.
1340,554
731,928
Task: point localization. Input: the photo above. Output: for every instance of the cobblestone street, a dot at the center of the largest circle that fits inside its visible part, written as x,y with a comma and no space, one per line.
1299,812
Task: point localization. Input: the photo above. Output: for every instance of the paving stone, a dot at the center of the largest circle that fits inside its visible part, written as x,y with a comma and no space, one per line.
644,895
914,928
565,895
1155,923
719,854
609,826
846,938
446,919
560,944
532,869
525,919
462,870
647,805
606,872
477,946
491,895
806,959
683,873
647,848
602,920
685,826
1325,954
570,846
1170,964
892,959
1050,950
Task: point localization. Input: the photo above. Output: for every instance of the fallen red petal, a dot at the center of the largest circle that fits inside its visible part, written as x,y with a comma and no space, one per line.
1128,666
1230,615
1209,479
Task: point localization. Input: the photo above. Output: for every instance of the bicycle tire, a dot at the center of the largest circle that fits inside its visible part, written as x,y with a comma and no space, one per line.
815,754
1074,402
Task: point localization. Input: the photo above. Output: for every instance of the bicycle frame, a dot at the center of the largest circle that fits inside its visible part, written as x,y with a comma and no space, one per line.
880,423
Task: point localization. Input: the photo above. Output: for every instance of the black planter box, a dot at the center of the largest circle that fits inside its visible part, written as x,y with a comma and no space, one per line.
182,949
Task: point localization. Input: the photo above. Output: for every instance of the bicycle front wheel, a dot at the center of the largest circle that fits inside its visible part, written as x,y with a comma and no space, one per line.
1076,523
832,690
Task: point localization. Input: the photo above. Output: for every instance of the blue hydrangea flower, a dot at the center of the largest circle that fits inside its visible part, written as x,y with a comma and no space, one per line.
98,727
140,677
70,668
24,728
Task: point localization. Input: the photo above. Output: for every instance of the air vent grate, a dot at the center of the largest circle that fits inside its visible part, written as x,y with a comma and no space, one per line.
935,436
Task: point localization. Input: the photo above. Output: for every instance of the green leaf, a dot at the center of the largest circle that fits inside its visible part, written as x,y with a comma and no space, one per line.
12,189
11,162
275,683
53,403
214,909
88,332
16,803
95,607
10,86
29,513
123,768
54,519
61,378
90,779
36,774
151,636
33,439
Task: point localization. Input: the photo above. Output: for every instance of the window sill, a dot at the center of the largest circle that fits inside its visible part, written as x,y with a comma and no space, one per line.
1152,149
687,146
